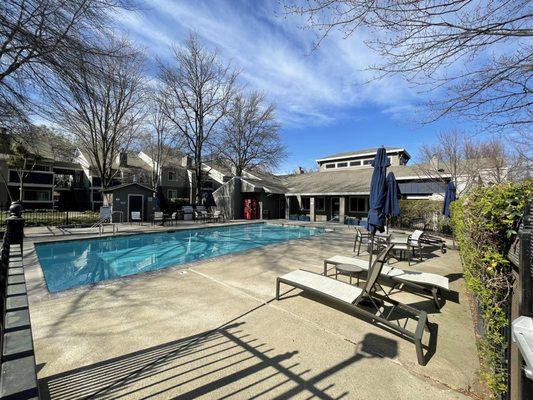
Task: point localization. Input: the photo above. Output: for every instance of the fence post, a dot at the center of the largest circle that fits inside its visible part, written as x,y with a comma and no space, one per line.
521,256
15,225
526,271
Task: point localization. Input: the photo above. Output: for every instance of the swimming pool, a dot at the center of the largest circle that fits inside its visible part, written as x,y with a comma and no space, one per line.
73,263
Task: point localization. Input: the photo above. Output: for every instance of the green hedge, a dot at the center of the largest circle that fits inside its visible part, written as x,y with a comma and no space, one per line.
485,223
428,210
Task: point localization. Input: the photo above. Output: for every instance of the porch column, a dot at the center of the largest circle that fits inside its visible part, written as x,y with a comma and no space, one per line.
342,209
312,209
287,206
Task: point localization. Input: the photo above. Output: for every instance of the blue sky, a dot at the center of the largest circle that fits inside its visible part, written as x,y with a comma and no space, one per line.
323,102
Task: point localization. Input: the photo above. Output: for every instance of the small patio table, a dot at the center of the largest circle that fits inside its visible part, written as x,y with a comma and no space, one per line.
350,270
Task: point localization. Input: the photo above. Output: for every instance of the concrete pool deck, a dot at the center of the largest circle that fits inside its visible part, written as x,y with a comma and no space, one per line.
213,330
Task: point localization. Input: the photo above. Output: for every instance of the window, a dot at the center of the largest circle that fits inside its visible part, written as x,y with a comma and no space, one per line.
172,193
358,204
320,204
37,195
329,166
355,163
342,164
96,181
171,176
367,162
97,196
41,168
306,203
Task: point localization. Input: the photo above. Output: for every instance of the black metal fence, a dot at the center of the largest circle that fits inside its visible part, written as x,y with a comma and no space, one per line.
55,217
18,378
520,303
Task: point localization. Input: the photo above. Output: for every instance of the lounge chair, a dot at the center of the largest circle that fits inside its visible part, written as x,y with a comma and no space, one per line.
432,240
424,281
420,239
352,296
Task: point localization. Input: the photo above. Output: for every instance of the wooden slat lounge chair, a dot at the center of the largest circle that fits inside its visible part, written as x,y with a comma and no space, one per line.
424,281
356,299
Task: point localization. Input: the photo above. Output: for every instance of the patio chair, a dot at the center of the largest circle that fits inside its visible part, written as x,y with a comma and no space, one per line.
201,214
422,281
217,216
188,212
404,245
135,216
360,236
365,302
158,217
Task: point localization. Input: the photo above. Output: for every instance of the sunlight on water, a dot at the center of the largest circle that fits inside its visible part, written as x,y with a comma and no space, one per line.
80,262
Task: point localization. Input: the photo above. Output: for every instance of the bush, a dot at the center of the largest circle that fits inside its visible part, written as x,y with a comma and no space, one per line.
485,223
428,210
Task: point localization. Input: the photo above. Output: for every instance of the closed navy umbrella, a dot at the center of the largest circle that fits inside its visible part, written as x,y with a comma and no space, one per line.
449,196
392,206
378,195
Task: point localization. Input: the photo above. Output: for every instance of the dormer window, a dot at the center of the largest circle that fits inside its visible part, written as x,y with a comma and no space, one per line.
171,176
342,165
329,166
355,163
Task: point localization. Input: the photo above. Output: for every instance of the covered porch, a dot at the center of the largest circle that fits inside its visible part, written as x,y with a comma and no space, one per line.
330,207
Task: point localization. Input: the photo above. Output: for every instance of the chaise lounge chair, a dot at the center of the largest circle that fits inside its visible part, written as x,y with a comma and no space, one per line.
356,299
424,281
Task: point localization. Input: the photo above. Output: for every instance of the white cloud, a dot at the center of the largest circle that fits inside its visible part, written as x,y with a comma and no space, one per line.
273,55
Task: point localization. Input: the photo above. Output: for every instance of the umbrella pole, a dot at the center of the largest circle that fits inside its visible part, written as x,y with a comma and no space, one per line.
371,249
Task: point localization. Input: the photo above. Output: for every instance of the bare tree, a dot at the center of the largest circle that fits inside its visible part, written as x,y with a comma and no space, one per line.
468,163
38,37
157,142
447,160
24,155
196,91
100,102
479,51
250,137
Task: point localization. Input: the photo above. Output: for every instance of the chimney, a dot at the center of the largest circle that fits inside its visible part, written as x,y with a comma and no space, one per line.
300,171
186,162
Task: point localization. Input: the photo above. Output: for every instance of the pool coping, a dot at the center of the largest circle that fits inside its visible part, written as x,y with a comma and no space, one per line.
36,283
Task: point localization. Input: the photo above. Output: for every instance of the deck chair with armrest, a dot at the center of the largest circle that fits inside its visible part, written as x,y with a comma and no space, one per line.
399,278
361,236
365,302
159,217
135,216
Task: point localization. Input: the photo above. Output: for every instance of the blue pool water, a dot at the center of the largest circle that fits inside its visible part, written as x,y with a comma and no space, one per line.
74,263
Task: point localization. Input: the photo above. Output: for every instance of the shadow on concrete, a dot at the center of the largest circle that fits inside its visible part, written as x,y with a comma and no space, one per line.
223,363
394,314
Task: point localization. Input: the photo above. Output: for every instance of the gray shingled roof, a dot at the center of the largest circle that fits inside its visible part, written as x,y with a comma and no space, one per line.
355,181
358,152
269,183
